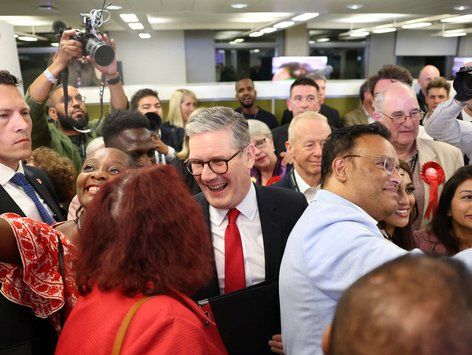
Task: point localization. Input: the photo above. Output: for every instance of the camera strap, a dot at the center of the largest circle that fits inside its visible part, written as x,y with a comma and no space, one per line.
65,83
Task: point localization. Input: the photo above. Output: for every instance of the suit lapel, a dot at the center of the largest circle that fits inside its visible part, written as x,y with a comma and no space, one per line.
42,191
271,226
7,204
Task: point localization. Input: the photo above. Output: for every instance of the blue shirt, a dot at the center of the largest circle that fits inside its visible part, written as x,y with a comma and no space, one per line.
332,245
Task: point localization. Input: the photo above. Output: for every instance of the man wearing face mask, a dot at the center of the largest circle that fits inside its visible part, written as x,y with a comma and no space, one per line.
70,130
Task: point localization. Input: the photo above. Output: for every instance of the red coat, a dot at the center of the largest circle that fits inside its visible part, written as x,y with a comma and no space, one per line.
162,325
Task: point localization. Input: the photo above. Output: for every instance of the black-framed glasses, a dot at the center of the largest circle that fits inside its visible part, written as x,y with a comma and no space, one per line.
400,117
388,164
218,166
261,143
79,98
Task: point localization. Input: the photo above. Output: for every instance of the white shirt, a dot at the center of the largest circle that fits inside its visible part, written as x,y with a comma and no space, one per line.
304,188
466,116
18,195
249,225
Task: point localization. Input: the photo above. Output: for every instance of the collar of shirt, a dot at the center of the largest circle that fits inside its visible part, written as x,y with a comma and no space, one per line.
328,196
370,119
7,173
247,207
303,187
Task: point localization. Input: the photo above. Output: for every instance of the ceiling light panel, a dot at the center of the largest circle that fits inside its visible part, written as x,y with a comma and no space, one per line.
136,25
239,6
306,16
417,25
145,35
129,17
284,24
369,18
458,19
268,30
384,30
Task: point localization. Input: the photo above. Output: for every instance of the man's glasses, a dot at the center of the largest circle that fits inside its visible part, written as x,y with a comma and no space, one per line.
387,163
79,98
400,117
261,143
218,166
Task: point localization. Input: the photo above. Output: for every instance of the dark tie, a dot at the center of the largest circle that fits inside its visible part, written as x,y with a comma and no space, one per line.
20,180
235,277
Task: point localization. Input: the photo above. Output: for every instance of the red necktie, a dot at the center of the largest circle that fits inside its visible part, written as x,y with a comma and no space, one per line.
235,278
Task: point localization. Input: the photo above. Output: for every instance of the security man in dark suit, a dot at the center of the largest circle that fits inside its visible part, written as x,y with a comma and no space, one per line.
28,192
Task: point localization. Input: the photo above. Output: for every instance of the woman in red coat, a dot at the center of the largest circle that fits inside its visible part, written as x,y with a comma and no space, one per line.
144,236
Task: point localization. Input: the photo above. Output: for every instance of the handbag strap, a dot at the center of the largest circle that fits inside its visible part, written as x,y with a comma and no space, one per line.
120,335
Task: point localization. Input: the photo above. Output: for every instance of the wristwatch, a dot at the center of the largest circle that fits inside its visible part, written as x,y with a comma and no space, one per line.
114,80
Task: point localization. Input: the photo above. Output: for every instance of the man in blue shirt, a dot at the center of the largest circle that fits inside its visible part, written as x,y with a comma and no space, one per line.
336,240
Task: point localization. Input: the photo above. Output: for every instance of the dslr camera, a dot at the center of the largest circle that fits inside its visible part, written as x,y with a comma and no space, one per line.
92,46
463,84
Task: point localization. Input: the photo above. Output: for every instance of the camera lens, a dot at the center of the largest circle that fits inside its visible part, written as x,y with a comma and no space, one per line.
101,52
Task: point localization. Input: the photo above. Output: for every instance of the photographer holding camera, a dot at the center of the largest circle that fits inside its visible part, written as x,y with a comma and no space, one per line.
443,124
70,130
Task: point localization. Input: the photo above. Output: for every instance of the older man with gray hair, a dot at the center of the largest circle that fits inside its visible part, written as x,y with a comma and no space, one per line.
249,224
306,136
432,162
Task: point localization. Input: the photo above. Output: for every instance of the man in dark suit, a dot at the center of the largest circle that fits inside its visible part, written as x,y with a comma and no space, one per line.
29,194
303,97
220,159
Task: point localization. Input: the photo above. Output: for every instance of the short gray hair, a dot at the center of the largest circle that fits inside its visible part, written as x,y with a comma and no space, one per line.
258,128
317,75
380,97
308,115
219,118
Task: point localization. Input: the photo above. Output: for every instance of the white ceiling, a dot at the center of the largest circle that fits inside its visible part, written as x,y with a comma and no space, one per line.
219,15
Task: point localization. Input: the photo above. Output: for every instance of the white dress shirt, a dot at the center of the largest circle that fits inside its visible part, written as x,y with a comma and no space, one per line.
249,225
304,188
18,194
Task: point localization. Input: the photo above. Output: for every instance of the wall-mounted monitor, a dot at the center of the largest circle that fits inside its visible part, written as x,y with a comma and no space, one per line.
286,68
457,63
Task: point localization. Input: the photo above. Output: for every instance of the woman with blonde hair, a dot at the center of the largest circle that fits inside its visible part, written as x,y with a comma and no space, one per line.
181,105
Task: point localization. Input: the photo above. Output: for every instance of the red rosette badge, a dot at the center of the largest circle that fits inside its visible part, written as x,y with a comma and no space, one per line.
433,174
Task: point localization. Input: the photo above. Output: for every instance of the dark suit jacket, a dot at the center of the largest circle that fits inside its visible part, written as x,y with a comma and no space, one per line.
331,114
279,210
19,328
285,182
42,185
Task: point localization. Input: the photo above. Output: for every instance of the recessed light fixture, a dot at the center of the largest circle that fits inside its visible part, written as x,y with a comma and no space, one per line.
256,34
232,42
306,16
27,38
359,34
454,34
239,6
238,40
458,19
323,39
417,25
311,42
268,30
384,30
460,8
16,36
114,7
54,44
284,24
129,17
136,25
355,6
255,50
145,35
